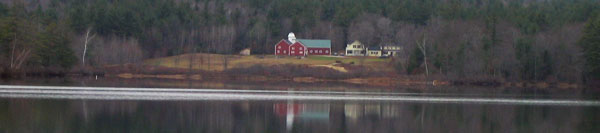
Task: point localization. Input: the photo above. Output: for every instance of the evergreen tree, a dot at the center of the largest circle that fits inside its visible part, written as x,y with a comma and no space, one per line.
53,49
545,66
415,61
526,57
590,43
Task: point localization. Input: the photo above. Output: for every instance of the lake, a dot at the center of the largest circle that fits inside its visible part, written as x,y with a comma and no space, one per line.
150,105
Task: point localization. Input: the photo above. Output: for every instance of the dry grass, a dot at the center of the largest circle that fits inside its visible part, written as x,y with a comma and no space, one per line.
215,62
338,68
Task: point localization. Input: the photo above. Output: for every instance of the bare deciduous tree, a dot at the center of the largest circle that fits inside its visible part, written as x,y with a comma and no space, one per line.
423,47
87,40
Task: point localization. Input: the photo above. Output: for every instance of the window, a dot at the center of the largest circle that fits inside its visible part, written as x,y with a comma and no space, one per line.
311,51
292,48
326,51
301,52
353,46
292,52
349,51
279,47
285,52
278,51
300,48
320,51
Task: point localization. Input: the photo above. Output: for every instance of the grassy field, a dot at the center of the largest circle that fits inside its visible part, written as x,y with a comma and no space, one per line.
216,62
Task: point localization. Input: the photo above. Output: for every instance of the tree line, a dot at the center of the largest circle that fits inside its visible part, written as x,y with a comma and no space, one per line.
508,39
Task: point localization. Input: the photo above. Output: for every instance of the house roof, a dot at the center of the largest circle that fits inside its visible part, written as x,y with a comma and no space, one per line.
315,43
356,42
374,48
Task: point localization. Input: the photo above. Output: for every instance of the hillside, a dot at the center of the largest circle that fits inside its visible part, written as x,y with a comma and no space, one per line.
515,40
217,62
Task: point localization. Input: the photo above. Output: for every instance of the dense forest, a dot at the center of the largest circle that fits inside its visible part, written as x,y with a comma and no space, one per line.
556,40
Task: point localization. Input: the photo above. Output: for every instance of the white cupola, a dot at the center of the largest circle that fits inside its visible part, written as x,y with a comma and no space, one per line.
292,37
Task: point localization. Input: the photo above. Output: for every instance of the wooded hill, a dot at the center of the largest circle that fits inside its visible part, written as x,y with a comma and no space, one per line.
502,39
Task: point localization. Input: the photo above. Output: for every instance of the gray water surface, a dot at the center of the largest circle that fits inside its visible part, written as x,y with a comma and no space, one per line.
116,93
175,106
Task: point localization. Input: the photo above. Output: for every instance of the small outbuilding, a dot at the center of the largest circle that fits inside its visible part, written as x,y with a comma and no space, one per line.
245,51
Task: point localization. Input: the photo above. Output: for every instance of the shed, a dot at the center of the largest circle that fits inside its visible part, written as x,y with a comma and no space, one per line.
245,51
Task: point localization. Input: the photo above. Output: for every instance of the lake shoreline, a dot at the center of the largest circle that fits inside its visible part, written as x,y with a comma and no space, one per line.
343,72
368,81
375,81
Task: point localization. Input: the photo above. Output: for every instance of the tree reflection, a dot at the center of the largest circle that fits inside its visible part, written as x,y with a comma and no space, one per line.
28,115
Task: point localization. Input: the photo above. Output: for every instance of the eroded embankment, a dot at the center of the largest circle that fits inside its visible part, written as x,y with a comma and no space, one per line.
337,73
350,74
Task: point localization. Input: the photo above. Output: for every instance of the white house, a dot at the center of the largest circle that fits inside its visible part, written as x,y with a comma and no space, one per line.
355,49
374,51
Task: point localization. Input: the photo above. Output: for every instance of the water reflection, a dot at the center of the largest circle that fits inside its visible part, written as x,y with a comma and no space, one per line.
308,113
37,115
51,115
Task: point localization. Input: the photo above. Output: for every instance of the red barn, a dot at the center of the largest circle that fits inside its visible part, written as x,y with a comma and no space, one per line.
297,49
317,47
282,48
302,47
319,51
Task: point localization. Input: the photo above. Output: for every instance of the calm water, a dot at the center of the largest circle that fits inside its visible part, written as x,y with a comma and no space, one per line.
272,107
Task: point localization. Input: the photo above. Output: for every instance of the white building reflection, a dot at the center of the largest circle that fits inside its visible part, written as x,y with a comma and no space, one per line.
355,111
293,112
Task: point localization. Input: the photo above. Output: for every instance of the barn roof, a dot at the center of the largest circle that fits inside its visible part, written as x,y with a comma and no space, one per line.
315,43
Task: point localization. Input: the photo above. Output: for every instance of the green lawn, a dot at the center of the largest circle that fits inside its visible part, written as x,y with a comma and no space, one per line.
348,59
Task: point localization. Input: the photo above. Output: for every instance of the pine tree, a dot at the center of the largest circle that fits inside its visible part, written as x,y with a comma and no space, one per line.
590,43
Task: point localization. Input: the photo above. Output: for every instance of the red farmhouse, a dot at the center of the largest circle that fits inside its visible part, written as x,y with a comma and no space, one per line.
302,47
